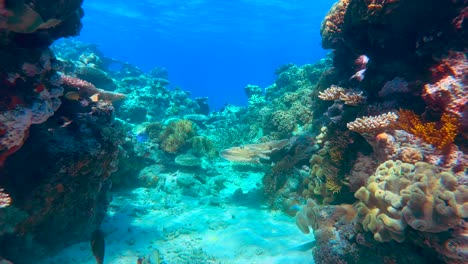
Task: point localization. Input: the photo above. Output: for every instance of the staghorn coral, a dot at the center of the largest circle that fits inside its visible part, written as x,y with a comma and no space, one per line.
352,97
440,135
372,124
349,97
332,93
420,196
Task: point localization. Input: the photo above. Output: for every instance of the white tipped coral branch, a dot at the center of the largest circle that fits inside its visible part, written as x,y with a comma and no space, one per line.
349,97
352,98
5,199
332,93
367,124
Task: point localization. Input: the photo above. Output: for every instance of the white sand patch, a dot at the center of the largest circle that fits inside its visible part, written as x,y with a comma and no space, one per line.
192,233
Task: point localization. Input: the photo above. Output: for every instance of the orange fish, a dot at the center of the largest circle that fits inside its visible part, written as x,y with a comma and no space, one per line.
72,96
98,246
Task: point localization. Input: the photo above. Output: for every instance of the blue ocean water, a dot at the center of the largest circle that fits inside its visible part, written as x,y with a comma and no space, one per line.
211,48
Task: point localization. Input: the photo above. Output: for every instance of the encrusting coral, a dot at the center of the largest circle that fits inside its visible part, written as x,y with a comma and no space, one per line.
331,28
420,196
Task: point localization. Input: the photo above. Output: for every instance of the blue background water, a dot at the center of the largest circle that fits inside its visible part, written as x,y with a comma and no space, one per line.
211,48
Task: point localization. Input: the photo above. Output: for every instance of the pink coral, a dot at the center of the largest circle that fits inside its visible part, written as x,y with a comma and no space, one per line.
449,94
79,84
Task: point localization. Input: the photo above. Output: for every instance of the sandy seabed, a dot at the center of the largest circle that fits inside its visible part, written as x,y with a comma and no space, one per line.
137,225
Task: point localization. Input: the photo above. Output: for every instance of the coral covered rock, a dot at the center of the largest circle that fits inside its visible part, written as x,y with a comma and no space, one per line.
420,196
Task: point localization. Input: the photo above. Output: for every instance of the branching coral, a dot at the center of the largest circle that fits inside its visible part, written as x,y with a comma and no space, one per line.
439,135
368,124
353,98
348,96
401,194
332,93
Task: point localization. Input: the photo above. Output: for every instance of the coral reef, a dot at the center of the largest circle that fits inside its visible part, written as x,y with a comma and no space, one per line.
407,55
438,135
419,196
176,135
56,153
373,124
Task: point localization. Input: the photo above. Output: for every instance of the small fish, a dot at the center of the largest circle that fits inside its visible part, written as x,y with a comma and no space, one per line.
94,98
66,121
72,96
98,246
304,247
295,207
142,137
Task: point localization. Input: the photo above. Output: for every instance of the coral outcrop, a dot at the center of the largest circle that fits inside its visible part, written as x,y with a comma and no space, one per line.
56,150
407,55
419,196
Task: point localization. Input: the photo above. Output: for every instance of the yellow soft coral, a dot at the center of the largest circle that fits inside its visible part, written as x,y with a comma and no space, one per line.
332,185
440,135
420,196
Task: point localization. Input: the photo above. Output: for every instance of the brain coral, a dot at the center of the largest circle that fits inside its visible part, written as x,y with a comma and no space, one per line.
401,194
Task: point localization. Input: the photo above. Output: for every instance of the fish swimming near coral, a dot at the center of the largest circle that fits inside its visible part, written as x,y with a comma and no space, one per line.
304,247
74,96
98,246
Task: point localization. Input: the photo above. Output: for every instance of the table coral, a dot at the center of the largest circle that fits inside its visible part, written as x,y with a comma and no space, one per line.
420,196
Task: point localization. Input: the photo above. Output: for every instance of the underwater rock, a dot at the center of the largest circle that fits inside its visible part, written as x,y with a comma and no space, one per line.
59,208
